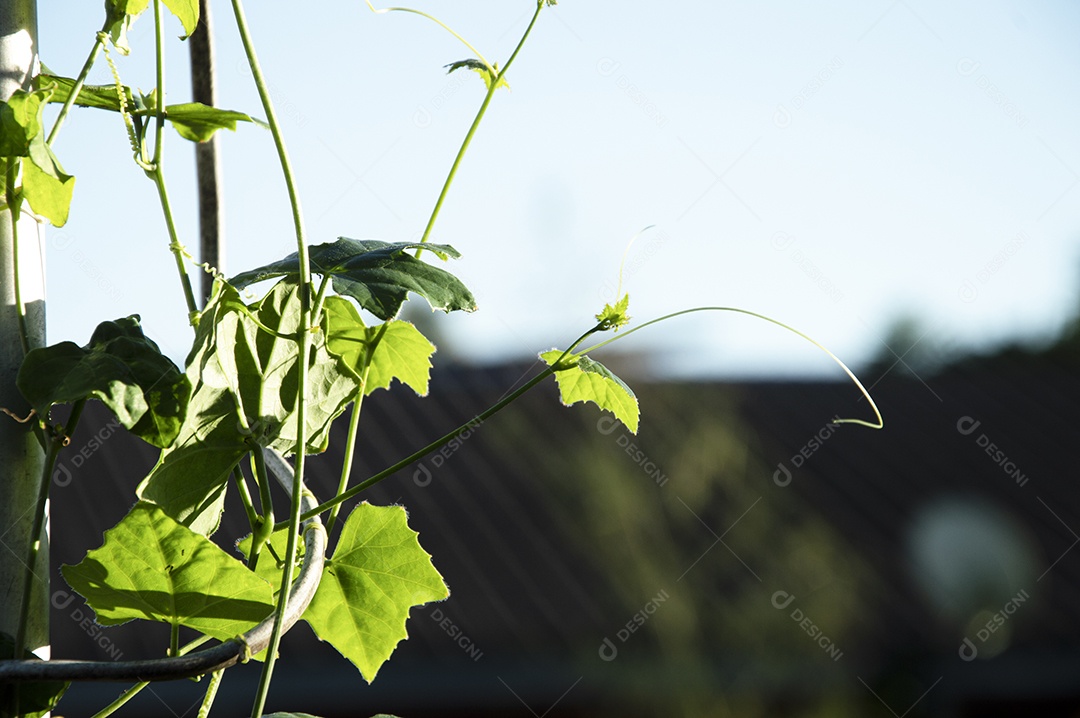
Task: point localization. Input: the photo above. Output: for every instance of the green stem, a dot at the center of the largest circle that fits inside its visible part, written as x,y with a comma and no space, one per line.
475,421
99,42
56,444
175,247
155,172
211,693
159,56
438,22
304,344
851,375
174,639
14,211
320,297
245,498
475,124
135,689
265,527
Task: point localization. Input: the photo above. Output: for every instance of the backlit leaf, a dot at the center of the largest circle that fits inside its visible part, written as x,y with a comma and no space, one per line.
377,573
583,379
402,352
122,368
153,568
378,275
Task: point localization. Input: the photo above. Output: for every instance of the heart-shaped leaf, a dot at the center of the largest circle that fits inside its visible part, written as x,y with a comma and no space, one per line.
377,573
583,379
378,275
152,567
121,367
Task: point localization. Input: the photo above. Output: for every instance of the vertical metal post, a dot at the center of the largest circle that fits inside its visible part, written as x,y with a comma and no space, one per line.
21,457
208,171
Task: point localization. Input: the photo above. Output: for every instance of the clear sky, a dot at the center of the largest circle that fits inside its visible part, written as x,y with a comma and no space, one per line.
832,164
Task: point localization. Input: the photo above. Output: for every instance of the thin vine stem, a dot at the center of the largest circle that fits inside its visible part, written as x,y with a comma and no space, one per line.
99,41
304,344
14,211
211,693
438,22
851,375
155,172
439,443
354,426
496,80
59,440
134,690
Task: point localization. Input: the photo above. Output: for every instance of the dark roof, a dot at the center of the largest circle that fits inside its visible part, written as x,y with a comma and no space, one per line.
556,530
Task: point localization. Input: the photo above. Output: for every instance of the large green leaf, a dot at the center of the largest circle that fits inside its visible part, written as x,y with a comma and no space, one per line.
45,185
245,382
263,373
402,352
198,122
35,699
582,379
193,120
121,367
153,568
20,122
188,13
377,573
378,275
189,479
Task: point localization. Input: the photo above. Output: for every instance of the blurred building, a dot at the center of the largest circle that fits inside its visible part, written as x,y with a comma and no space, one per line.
740,556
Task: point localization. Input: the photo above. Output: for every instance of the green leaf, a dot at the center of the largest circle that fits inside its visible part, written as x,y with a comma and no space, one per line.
378,275
188,13
582,379
193,120
198,122
46,187
614,316
104,97
151,567
35,699
188,481
263,372
245,383
120,16
487,74
378,572
402,352
122,368
20,122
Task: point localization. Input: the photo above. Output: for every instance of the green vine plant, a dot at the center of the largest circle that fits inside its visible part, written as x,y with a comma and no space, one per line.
245,397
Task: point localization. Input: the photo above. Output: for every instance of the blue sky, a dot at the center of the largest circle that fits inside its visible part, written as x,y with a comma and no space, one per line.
835,165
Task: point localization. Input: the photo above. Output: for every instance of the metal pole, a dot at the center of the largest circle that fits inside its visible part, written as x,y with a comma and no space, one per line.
208,171
21,457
